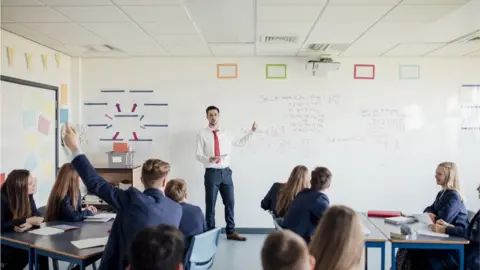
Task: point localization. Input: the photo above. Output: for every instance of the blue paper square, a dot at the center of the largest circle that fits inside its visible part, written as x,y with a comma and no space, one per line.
29,118
63,116
31,162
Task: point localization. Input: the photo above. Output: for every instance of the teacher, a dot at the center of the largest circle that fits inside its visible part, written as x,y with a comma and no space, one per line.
213,150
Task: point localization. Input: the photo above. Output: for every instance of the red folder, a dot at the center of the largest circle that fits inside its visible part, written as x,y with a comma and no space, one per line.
383,214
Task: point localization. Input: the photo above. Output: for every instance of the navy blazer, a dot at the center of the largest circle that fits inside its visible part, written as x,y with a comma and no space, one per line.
472,234
192,222
448,205
8,223
67,213
305,212
135,211
269,202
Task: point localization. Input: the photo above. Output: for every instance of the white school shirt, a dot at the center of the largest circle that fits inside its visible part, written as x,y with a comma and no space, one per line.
206,146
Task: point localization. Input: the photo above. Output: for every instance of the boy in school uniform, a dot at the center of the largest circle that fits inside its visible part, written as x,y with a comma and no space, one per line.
193,220
308,207
284,250
159,248
135,210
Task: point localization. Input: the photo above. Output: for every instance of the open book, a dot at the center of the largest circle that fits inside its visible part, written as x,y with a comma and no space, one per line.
102,217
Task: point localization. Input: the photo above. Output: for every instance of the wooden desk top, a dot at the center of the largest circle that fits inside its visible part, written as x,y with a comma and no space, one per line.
61,243
375,234
387,228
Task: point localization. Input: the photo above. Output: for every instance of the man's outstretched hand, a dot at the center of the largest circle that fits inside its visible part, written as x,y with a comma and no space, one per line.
70,139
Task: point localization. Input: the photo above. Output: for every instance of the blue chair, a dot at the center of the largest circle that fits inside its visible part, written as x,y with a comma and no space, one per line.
277,222
201,252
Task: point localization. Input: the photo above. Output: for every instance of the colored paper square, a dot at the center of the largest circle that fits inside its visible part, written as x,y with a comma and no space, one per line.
49,108
63,95
31,162
276,71
409,72
43,125
227,71
48,169
364,72
29,118
63,116
32,141
2,179
36,100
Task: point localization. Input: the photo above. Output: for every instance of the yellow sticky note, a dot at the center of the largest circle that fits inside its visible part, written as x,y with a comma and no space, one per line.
49,109
28,60
64,95
45,61
48,169
32,141
10,53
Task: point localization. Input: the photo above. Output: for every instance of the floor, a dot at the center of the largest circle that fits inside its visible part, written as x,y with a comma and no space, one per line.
234,255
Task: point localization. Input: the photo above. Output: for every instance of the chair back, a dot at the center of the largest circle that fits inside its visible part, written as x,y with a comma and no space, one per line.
201,252
470,216
276,222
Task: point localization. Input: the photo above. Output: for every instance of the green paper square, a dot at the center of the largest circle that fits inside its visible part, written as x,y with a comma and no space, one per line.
267,72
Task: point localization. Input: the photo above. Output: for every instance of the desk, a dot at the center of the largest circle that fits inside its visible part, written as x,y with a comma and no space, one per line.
21,241
59,246
421,242
375,239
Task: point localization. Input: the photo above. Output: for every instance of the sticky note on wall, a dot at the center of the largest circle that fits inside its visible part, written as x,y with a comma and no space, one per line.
364,72
63,116
43,125
64,95
409,72
276,71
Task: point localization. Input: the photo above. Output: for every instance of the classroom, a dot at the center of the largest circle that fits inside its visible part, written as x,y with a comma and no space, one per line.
377,99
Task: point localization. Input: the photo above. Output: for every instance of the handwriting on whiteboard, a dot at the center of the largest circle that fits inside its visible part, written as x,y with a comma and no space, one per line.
384,126
332,99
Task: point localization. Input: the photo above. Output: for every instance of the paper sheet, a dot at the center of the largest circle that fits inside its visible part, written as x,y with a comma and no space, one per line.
433,234
104,215
366,231
423,218
91,242
46,231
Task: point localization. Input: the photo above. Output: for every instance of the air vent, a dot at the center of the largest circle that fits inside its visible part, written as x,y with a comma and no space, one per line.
103,48
475,36
279,39
319,47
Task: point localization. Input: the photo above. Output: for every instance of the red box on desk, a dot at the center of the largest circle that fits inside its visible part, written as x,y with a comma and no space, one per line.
383,213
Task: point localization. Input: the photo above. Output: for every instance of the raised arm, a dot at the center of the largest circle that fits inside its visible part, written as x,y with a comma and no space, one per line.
115,197
200,153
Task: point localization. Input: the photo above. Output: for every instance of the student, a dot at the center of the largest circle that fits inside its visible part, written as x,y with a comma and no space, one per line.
448,206
441,260
280,195
285,250
65,201
136,210
157,248
341,226
19,214
193,220
308,207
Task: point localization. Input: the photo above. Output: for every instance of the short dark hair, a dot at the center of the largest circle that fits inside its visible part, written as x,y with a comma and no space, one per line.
283,250
160,248
321,178
210,108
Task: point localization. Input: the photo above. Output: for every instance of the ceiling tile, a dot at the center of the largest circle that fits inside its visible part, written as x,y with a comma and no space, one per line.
417,13
94,14
368,49
363,2
146,2
288,13
67,49
412,49
157,13
32,14
457,49
277,53
77,2
298,29
114,30
44,40
21,3
434,2
155,28
232,49
354,14
184,45
58,28
291,2
477,53
337,32
80,40
18,29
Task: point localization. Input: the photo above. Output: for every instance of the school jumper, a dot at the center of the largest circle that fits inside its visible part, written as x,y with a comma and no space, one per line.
192,222
305,212
16,258
66,212
135,211
448,205
269,202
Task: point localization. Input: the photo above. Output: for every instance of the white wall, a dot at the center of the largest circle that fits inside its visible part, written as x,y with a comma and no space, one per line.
366,176
53,75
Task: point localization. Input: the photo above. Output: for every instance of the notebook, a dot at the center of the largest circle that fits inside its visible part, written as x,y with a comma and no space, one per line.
423,218
384,214
400,220
91,242
103,217
46,231
433,234
65,227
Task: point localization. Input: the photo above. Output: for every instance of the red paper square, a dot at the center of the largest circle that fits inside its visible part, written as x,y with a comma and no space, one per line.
2,179
356,66
43,125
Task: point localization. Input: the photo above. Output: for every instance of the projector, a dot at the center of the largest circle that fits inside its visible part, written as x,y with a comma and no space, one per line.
324,65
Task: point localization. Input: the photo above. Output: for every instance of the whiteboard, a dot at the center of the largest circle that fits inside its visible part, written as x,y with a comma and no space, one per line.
28,132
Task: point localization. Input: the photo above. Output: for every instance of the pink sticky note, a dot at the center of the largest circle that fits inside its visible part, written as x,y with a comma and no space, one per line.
2,178
43,125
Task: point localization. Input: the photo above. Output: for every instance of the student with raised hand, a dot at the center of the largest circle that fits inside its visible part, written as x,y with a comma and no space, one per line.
65,201
280,195
157,248
135,209
338,241
19,214
285,250
309,205
193,220
448,206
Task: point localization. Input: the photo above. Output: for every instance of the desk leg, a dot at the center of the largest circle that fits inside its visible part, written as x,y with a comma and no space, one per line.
393,259
462,256
382,249
30,259
82,265
37,267
366,258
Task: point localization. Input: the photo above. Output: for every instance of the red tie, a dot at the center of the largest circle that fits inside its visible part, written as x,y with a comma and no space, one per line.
216,145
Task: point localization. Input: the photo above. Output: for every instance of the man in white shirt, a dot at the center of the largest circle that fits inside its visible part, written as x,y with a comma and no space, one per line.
213,150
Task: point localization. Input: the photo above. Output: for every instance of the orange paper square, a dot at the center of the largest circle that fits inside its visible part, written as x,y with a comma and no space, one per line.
227,71
120,147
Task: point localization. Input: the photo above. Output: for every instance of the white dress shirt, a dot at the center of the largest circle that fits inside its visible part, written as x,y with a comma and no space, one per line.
206,146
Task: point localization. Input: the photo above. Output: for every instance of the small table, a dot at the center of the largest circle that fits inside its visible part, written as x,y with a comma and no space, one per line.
375,239
59,246
421,242
23,241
